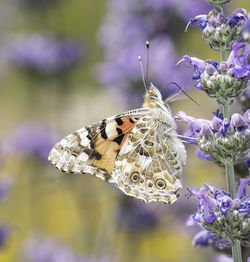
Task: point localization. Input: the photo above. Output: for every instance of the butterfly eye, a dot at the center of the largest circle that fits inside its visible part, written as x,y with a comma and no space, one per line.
160,183
134,177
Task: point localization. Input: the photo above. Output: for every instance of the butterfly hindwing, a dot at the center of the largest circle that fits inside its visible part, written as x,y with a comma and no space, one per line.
149,166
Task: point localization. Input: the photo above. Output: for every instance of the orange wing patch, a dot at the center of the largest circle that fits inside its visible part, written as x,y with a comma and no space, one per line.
110,141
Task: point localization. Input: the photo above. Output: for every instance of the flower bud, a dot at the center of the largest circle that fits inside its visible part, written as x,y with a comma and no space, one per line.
237,120
218,2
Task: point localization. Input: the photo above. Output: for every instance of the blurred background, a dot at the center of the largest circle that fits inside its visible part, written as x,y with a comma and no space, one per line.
64,65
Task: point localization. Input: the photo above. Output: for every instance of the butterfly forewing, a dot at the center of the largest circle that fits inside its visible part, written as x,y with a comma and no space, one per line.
94,149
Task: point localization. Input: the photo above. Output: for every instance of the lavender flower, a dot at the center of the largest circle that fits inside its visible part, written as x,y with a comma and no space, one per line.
223,139
6,182
220,31
223,258
45,249
224,217
246,33
136,216
42,54
32,139
126,27
225,80
4,234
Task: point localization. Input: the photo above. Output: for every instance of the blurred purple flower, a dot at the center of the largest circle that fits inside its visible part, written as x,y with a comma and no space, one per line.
4,234
127,25
42,54
6,182
202,155
136,216
32,139
223,258
202,238
45,249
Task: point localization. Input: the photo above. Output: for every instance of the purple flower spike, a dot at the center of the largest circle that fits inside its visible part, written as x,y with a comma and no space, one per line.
216,210
244,182
202,155
238,60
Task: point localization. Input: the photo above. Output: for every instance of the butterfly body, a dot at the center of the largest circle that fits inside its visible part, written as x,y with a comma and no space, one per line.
139,151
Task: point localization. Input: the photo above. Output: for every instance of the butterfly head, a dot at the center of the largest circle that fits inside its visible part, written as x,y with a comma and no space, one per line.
153,97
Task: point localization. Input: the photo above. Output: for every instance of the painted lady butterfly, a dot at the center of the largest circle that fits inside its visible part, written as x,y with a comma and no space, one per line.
138,150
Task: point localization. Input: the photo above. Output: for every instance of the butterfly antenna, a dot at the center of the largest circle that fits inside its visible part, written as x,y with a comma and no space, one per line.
147,68
173,83
142,72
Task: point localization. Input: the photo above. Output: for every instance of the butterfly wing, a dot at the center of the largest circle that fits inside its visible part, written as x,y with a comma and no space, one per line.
149,165
94,149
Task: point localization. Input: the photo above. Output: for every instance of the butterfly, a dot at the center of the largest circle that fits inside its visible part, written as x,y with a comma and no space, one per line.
139,151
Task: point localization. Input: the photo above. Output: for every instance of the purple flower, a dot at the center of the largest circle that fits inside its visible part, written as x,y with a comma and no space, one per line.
127,25
4,234
45,249
6,182
32,139
136,216
238,60
42,54
201,19
244,182
205,127
237,15
223,258
195,125
202,155
216,18
216,210
206,205
202,238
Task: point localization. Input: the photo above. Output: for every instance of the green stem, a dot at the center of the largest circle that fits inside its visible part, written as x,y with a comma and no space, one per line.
226,110
230,179
229,166
223,54
236,251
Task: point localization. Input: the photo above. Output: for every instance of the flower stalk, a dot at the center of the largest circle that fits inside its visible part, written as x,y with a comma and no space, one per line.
236,251
229,168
